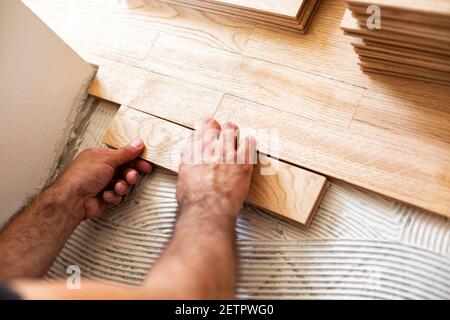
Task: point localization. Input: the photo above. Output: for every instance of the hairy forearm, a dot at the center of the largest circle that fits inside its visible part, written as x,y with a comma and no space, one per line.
200,261
32,239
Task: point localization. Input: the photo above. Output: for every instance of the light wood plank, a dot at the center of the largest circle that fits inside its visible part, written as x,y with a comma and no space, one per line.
350,25
288,8
387,163
108,29
286,89
413,115
438,18
432,7
404,68
399,75
324,50
292,192
413,29
299,23
395,58
401,51
164,97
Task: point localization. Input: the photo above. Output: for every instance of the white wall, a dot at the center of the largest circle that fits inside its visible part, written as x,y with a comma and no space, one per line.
42,86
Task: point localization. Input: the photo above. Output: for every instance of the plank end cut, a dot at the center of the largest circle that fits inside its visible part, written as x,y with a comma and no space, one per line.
289,192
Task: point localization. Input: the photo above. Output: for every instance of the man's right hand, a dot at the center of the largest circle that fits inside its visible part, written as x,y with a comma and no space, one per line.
215,171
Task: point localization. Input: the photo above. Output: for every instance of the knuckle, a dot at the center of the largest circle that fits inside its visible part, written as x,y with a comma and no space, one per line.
231,125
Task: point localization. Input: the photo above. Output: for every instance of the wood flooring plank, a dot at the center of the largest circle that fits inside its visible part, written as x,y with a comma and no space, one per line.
399,75
404,52
403,68
395,58
350,25
286,89
438,18
288,8
414,114
432,7
292,192
164,97
108,28
413,29
324,50
298,17
387,163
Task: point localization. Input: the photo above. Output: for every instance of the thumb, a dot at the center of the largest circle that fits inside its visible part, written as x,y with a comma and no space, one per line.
126,154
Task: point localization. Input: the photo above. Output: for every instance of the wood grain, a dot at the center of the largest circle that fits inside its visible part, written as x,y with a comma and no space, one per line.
288,90
350,25
295,15
292,192
105,29
288,8
429,7
159,95
387,163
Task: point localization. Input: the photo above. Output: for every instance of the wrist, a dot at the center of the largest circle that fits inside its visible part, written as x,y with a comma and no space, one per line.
212,211
63,196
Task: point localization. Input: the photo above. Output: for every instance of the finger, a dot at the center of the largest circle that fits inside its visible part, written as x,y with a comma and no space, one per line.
125,154
121,187
93,207
246,153
227,143
131,175
210,131
143,166
111,198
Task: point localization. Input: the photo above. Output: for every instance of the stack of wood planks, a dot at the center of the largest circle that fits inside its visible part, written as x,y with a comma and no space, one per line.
295,15
411,41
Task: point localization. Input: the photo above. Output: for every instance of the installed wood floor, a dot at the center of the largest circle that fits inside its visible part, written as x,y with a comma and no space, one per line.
386,134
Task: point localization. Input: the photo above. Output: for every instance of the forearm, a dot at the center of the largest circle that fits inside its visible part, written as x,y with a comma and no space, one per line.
200,261
33,238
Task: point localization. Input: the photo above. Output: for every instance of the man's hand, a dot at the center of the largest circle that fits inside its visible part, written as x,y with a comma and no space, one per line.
101,177
215,170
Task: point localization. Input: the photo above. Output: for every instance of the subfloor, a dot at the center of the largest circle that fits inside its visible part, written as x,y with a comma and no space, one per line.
359,246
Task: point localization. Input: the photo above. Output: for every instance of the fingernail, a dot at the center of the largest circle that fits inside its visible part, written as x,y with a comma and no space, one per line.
137,143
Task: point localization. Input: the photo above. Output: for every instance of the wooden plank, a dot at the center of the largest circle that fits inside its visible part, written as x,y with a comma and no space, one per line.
403,68
413,115
386,163
315,52
164,97
350,25
288,90
403,60
288,8
292,192
404,52
300,24
428,7
105,29
400,75
413,29
438,18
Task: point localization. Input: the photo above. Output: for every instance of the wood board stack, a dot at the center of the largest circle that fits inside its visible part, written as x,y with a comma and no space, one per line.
413,41
294,15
